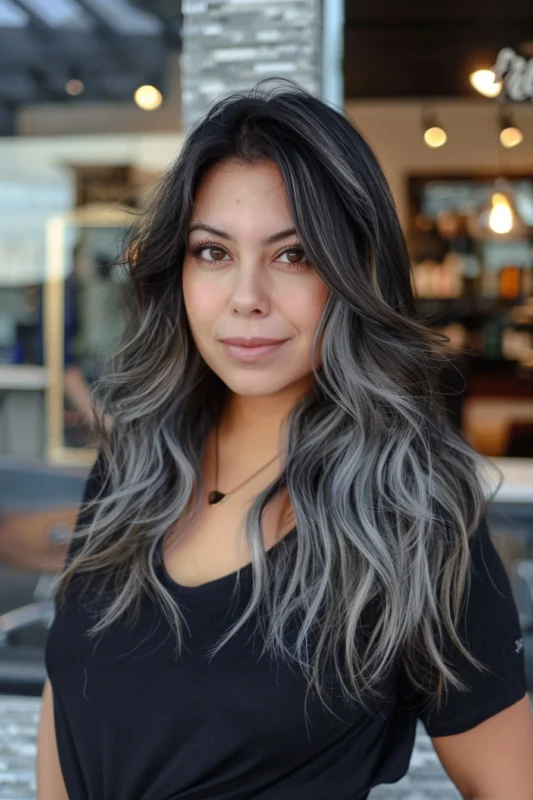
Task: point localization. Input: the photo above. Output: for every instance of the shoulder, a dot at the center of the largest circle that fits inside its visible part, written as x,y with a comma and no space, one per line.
489,628
489,606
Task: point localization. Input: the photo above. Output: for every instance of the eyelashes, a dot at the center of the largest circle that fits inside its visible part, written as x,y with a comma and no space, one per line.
199,247
206,245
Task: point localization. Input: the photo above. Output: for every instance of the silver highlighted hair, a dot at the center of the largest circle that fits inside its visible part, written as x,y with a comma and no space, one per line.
385,492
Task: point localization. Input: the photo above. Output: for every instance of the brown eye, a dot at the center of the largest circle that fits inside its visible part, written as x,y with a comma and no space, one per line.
209,253
293,255
215,254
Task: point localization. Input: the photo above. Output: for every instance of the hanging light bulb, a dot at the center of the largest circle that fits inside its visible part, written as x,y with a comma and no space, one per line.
510,134
501,214
497,214
148,97
434,134
484,81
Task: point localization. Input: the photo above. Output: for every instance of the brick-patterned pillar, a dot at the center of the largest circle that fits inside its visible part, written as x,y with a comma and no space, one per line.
229,45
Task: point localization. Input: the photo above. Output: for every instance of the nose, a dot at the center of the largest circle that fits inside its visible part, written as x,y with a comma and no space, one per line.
250,295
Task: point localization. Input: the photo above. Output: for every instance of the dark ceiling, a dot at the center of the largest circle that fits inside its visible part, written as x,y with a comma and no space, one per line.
418,48
113,46
393,48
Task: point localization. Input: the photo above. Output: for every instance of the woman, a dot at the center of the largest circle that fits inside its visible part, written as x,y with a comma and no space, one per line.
265,589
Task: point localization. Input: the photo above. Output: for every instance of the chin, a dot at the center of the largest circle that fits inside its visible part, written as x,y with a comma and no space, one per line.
251,388
260,384
253,382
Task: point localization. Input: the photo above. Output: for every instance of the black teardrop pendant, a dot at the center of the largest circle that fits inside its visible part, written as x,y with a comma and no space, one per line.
215,497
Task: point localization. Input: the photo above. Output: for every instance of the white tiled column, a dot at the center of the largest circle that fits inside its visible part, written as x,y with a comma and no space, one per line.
229,45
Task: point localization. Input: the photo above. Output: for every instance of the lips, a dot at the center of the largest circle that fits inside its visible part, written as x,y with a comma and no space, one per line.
256,341
255,349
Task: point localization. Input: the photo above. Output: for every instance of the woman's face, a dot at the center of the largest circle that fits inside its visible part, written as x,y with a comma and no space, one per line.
245,278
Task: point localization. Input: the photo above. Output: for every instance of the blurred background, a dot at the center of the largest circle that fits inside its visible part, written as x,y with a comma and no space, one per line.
95,99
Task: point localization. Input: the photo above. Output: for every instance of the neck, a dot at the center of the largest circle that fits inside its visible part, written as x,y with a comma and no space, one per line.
259,422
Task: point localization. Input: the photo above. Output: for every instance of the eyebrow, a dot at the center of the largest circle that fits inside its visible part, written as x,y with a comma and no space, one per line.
276,237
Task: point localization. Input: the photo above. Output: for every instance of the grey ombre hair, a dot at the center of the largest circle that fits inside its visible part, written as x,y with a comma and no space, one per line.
386,494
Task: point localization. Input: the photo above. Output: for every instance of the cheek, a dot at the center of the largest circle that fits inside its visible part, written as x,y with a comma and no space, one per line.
201,303
305,309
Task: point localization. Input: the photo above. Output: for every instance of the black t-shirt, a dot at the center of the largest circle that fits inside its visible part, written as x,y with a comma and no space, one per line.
134,721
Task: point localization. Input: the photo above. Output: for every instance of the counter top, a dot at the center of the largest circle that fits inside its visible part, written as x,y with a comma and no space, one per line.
518,480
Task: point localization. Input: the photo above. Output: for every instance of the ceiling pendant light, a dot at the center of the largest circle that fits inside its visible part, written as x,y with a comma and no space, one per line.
498,215
148,97
434,134
501,214
484,81
510,134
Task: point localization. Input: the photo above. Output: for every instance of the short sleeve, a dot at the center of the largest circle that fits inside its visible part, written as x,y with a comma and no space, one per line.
490,628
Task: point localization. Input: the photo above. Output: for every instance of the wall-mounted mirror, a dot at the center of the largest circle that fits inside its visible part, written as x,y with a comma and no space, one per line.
84,319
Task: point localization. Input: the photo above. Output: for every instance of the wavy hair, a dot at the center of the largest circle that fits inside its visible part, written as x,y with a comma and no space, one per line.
386,493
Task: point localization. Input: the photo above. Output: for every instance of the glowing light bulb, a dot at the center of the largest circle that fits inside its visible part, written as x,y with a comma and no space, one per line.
148,97
484,81
501,215
511,136
435,136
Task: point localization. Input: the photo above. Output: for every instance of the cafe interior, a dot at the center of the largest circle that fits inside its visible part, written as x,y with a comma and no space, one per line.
443,93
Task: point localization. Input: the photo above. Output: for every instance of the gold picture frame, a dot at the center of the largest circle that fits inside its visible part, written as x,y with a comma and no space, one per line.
60,233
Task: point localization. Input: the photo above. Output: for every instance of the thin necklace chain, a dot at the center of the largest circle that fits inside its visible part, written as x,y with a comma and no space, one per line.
216,497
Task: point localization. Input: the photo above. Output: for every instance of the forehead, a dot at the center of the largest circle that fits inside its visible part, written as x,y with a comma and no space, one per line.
232,195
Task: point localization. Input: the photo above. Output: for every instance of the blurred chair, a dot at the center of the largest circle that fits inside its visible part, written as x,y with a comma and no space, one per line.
26,607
